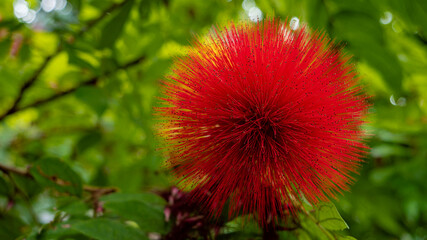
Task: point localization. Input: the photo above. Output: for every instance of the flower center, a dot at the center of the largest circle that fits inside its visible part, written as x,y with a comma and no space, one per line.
258,131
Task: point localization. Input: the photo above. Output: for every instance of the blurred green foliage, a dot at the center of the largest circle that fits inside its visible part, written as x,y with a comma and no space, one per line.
78,83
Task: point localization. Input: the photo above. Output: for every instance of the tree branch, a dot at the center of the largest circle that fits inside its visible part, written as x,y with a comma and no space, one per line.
7,170
27,85
95,192
91,81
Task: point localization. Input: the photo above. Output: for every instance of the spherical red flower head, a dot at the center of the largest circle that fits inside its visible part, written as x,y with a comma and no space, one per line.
260,115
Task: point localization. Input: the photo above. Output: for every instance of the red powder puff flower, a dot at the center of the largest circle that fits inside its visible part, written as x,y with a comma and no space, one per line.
259,115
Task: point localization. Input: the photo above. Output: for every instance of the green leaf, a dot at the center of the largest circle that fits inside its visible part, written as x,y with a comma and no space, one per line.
303,235
412,13
101,177
52,172
288,235
5,45
310,230
346,238
24,53
145,209
75,58
317,14
113,29
10,227
359,6
28,186
5,188
148,218
329,217
11,24
144,8
94,97
157,68
148,198
384,62
72,206
105,229
234,229
357,28
62,232
88,140
321,221
365,39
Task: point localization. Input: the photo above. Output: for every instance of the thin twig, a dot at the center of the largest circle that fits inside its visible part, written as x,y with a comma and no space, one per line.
7,170
99,190
95,194
93,190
